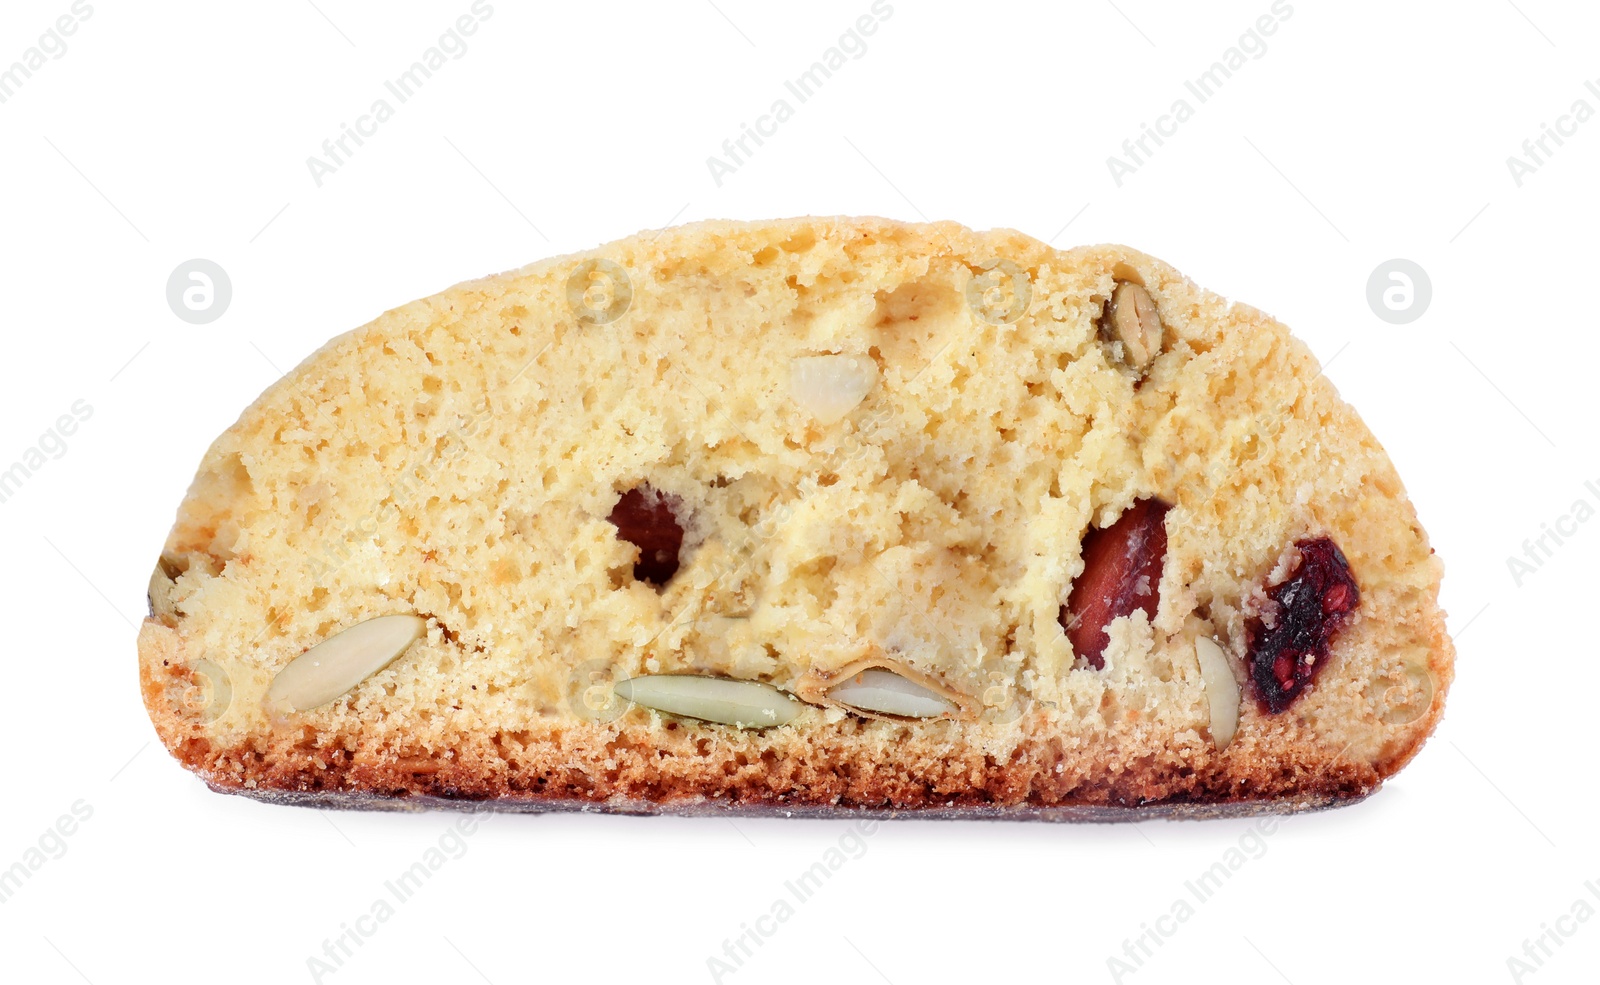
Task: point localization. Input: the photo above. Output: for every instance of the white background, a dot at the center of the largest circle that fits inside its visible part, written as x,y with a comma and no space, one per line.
1366,131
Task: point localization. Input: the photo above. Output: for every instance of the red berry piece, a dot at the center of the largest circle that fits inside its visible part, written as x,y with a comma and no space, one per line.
645,518
1312,604
1121,573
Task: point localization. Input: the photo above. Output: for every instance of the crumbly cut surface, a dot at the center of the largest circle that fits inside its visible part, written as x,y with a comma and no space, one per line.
460,457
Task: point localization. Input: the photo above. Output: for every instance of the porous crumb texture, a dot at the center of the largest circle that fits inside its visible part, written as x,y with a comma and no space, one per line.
459,457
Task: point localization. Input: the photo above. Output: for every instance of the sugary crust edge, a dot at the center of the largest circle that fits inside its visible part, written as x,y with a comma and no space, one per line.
1253,786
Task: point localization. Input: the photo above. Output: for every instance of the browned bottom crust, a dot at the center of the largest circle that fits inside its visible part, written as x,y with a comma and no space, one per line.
356,800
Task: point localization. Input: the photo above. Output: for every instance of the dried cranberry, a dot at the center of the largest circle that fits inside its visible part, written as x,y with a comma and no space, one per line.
645,518
1121,573
1311,606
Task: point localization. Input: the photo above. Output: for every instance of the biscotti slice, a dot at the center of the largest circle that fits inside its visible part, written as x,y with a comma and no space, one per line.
815,515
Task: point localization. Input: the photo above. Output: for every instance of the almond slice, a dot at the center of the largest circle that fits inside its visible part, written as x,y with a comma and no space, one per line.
1222,690
830,386
747,704
888,693
342,661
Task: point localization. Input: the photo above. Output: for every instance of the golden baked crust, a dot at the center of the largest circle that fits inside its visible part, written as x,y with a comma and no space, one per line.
458,458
